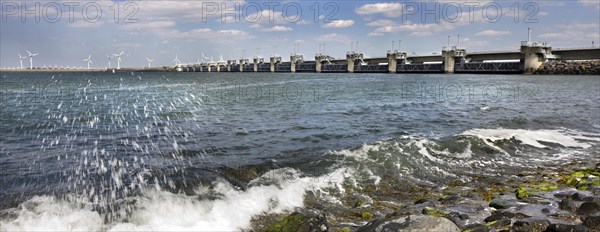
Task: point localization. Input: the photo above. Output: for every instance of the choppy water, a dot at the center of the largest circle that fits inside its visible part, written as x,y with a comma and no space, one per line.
198,151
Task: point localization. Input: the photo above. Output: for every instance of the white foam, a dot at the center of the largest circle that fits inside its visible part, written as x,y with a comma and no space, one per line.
159,210
50,214
533,138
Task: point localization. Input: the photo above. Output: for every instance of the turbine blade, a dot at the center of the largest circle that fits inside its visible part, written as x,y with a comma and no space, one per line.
28,52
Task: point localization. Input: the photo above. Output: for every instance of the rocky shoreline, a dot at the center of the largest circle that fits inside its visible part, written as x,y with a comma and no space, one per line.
569,68
566,198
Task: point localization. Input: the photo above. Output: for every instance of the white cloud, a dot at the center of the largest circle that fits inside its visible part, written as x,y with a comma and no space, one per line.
382,23
420,29
553,36
580,26
334,37
572,35
277,29
375,34
574,31
85,24
188,11
474,44
128,45
387,9
420,33
590,3
268,16
217,36
149,25
339,24
305,22
492,33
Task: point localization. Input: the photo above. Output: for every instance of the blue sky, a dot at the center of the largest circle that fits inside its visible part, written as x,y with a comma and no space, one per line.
162,29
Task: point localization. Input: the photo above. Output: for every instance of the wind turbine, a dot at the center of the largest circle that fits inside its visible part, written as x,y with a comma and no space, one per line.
176,60
88,60
21,58
109,57
204,58
149,62
119,59
31,58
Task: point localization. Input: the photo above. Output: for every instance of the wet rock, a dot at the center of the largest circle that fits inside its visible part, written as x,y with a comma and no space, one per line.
458,218
452,199
423,201
505,215
410,223
579,196
545,211
591,199
566,228
563,194
567,204
565,216
502,203
502,224
528,225
476,228
570,67
593,222
595,190
300,222
433,212
588,208
457,215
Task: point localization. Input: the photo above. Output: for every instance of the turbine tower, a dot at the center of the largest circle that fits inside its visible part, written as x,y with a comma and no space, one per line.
107,56
176,60
88,60
149,62
119,59
31,58
21,58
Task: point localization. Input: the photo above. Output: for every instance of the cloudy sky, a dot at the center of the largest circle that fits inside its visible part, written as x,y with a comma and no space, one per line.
66,32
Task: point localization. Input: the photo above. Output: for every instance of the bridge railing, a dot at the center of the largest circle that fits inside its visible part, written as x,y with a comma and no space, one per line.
492,52
576,48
